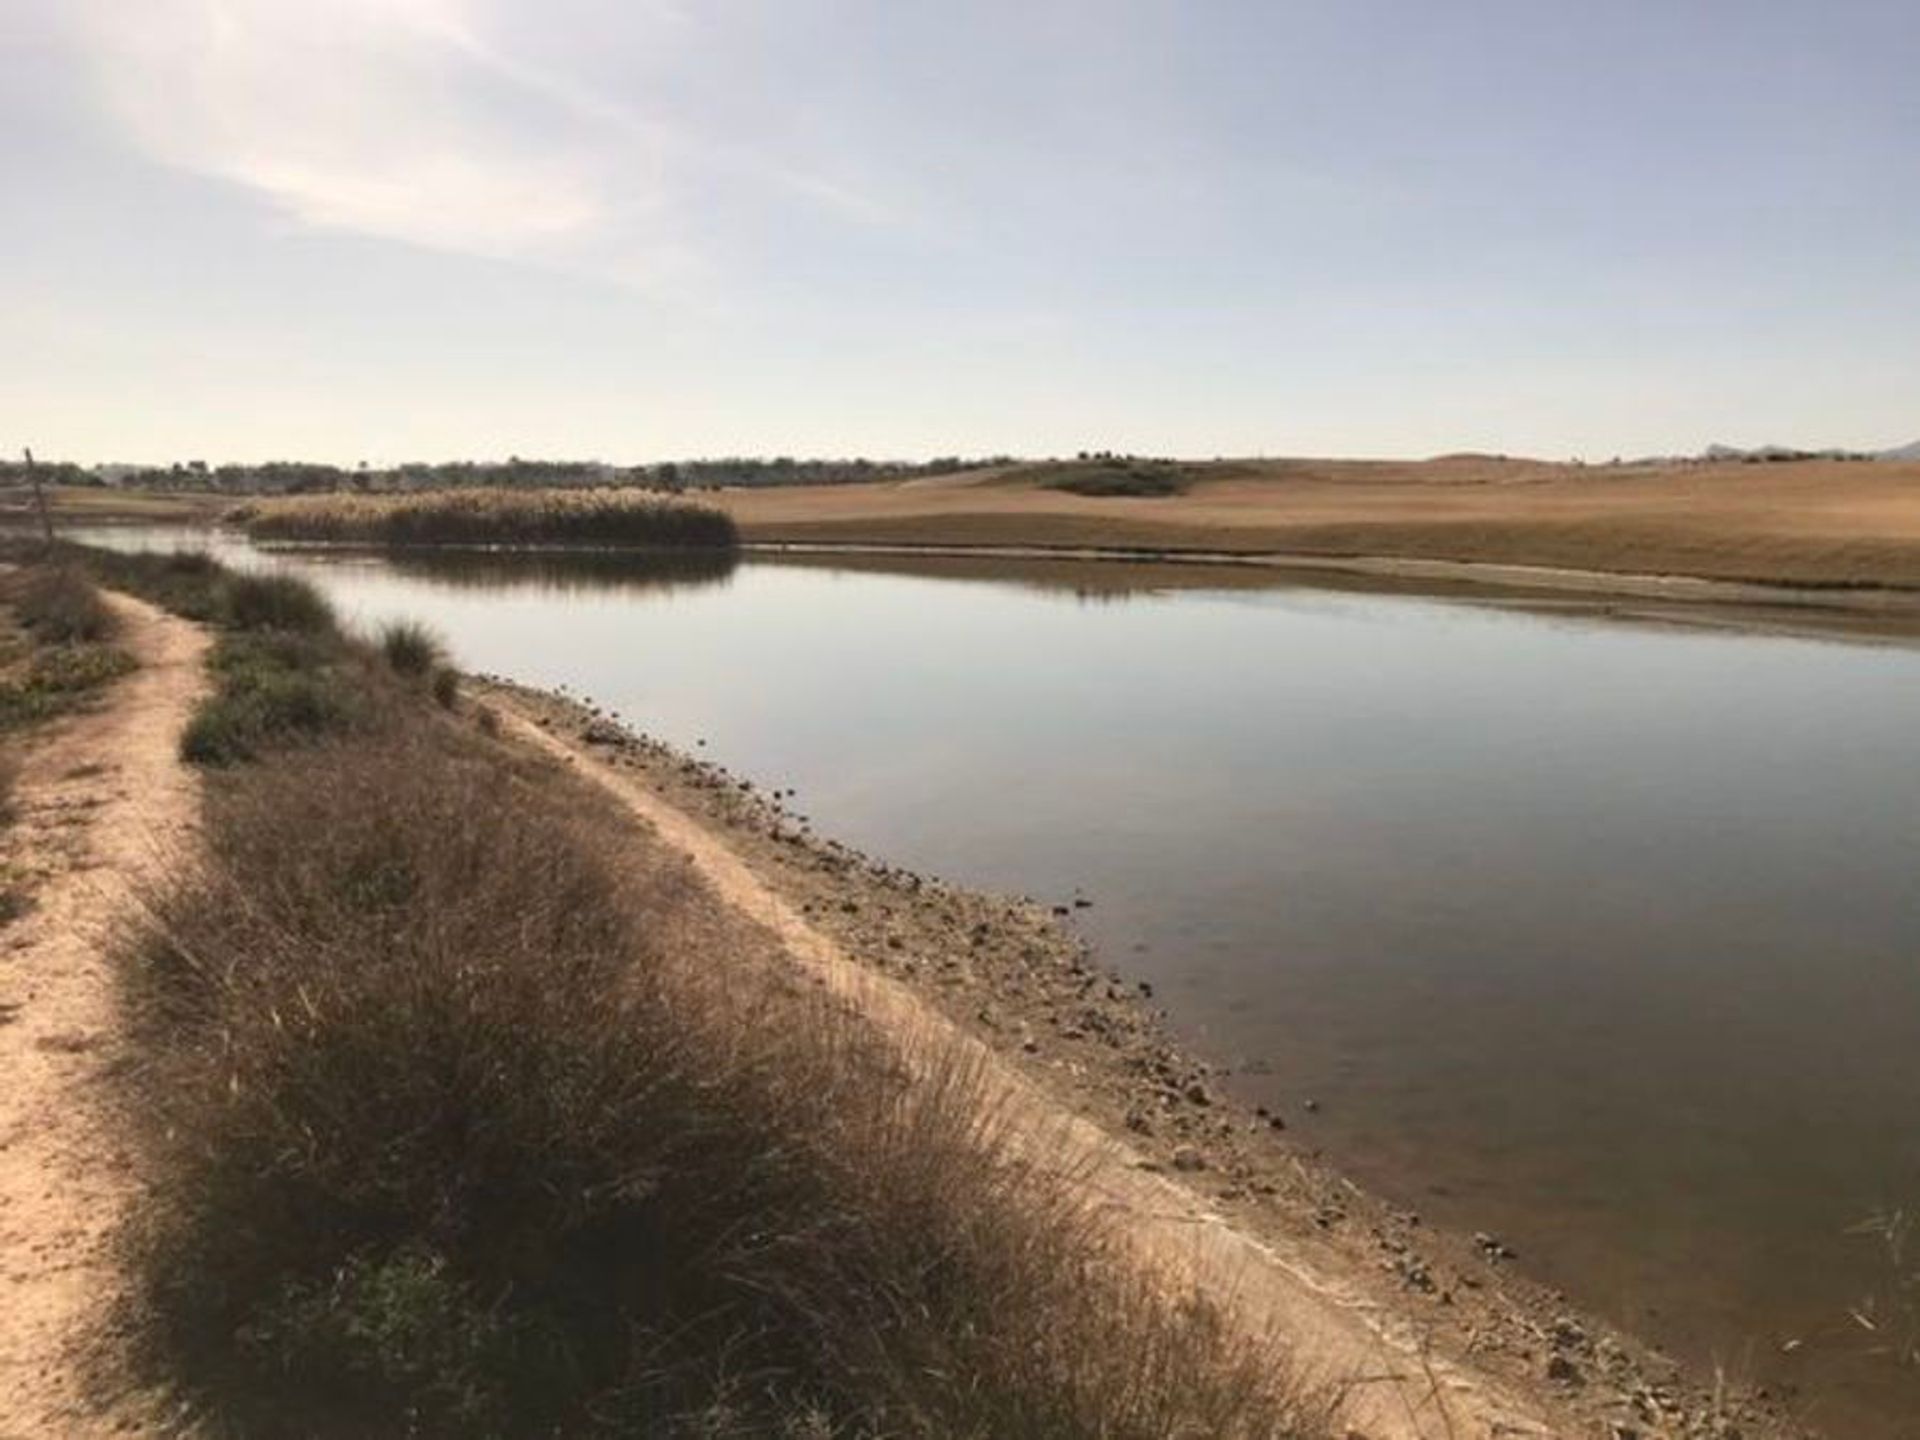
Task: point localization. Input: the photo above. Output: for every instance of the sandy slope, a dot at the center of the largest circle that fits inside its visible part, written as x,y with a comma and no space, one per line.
1338,1332
1815,522
95,801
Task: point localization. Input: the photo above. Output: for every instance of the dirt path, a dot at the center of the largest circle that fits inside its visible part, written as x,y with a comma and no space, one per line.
1397,1389
96,800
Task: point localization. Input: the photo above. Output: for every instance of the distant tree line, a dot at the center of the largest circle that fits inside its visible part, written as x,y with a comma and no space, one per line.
57,472
295,477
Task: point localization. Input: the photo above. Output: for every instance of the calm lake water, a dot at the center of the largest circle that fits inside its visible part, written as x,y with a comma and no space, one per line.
1603,938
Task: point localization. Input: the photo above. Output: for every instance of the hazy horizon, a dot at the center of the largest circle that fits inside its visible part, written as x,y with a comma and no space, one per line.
850,457
384,230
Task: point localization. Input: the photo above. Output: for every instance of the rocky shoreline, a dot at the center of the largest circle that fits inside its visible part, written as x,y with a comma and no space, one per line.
1008,971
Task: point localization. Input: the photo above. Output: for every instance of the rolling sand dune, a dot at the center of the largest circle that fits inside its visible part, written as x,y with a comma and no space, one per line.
1817,523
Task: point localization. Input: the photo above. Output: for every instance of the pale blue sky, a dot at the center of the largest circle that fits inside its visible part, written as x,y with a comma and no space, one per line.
644,229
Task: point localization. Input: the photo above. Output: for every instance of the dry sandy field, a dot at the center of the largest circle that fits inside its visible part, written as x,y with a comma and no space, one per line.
1812,523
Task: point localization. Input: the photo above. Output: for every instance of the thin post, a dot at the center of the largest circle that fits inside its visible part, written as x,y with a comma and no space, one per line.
40,499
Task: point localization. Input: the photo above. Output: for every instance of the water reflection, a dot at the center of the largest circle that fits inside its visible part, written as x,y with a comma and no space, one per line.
555,572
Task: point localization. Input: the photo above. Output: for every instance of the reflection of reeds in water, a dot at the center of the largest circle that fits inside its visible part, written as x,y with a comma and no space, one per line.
562,571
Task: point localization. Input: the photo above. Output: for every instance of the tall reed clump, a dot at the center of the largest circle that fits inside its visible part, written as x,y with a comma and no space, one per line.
470,1114
636,518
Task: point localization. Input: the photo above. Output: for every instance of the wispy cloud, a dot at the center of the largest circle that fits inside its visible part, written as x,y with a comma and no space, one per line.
405,119
384,117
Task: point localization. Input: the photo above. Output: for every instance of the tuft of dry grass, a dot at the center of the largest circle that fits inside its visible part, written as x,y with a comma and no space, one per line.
410,649
638,518
471,1115
61,607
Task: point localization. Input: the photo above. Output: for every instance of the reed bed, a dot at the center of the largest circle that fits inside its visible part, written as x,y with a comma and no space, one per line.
640,519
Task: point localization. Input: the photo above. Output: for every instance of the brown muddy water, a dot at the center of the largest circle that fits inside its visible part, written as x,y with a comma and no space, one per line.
1602,938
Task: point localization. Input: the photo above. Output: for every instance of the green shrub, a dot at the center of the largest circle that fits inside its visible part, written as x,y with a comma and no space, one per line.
275,688
276,602
446,686
1120,478
235,725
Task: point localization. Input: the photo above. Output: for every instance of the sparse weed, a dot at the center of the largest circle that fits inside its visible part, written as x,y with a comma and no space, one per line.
410,648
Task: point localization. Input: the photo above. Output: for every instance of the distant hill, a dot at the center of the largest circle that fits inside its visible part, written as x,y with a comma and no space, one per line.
1901,452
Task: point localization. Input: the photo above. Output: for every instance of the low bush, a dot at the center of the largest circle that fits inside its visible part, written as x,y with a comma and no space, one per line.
1115,477
189,583
68,670
276,688
275,602
60,653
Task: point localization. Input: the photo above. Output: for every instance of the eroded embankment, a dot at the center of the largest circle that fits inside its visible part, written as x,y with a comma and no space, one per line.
1427,1334
97,802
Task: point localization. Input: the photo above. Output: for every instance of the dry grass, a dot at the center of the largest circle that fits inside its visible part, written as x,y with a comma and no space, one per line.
638,518
55,644
61,607
1814,523
469,1113
467,1124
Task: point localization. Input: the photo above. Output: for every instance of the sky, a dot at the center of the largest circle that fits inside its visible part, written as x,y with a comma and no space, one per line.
636,230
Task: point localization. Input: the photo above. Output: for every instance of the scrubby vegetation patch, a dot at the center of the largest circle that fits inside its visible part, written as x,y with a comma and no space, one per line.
1115,475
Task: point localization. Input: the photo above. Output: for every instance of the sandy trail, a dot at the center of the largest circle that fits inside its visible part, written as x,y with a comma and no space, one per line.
97,801
1335,1332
